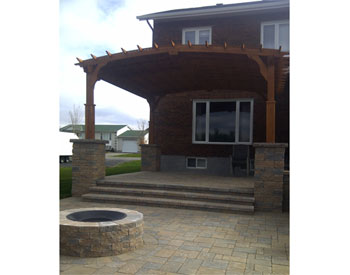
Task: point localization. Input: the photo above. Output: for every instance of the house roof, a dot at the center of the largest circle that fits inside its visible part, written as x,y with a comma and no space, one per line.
98,128
218,9
134,133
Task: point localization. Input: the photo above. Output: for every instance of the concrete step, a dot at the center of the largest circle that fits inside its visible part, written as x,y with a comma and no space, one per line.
173,194
166,202
187,188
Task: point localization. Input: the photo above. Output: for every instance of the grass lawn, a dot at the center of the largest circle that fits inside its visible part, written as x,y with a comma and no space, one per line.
66,175
131,155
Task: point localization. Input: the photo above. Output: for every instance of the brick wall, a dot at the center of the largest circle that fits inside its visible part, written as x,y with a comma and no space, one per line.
235,30
173,123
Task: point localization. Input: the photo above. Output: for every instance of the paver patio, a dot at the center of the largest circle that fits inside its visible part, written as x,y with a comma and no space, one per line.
179,241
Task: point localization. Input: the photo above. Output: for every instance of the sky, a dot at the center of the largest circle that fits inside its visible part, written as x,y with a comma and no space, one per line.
94,26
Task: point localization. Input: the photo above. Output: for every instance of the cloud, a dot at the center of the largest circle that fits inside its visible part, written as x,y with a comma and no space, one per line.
94,26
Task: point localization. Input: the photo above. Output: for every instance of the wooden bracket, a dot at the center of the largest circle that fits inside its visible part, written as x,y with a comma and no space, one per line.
261,64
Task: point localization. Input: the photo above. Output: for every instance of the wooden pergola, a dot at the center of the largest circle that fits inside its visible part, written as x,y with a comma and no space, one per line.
154,72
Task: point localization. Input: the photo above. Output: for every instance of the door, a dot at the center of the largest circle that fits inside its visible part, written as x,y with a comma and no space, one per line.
130,146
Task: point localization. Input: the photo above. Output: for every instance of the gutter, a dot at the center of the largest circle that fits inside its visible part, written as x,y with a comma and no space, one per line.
220,10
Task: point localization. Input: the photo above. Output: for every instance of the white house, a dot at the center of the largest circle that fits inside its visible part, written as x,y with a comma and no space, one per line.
102,132
129,141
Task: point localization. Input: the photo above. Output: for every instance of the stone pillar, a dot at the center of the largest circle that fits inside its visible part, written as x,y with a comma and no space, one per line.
150,157
268,174
88,164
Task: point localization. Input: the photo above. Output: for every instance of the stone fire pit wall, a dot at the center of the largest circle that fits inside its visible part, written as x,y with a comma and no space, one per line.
99,239
88,164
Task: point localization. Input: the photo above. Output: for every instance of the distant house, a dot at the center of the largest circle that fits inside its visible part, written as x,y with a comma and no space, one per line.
102,132
129,141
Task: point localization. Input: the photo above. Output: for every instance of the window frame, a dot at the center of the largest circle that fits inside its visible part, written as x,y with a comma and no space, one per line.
196,167
196,30
208,101
277,26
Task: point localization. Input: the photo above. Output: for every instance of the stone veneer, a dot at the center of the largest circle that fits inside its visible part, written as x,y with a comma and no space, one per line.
150,157
286,191
99,239
268,174
88,164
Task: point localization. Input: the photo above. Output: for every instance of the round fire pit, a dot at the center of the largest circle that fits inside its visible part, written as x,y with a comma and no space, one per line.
97,232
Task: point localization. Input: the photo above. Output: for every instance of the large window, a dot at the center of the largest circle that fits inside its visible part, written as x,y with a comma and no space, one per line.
223,121
275,34
197,36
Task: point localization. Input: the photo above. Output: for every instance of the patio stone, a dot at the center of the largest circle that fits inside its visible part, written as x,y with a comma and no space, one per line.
150,265
131,267
206,256
218,264
280,269
208,270
161,257
190,266
263,268
166,253
221,250
79,270
176,242
177,259
171,266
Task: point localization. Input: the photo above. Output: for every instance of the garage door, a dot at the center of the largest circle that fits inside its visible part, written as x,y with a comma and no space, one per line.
130,146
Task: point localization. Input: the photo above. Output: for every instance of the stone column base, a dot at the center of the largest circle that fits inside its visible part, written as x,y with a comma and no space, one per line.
268,175
150,157
88,164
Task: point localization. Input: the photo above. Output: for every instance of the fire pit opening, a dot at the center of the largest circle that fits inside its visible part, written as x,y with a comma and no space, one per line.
96,216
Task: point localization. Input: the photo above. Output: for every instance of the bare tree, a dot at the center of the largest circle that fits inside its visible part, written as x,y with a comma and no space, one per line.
76,117
142,126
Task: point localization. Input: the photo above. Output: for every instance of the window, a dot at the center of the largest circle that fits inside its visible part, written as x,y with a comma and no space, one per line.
275,34
200,163
197,36
105,136
223,121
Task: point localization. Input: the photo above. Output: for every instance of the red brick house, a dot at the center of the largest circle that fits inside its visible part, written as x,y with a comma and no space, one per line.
216,79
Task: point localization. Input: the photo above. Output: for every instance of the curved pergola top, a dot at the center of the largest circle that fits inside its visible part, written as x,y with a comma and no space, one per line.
158,70
174,49
155,72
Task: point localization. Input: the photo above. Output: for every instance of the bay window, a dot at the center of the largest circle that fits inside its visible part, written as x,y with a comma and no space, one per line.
223,121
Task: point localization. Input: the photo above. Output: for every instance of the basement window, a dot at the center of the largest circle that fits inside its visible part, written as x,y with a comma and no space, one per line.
193,162
197,36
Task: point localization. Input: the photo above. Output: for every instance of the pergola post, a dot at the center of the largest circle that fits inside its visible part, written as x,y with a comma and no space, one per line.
150,153
91,78
151,124
88,163
270,103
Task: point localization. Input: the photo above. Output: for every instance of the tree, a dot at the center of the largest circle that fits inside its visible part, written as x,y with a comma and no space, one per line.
142,126
76,117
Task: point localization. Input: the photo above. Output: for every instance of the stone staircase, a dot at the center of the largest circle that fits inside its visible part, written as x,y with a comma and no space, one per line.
221,199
